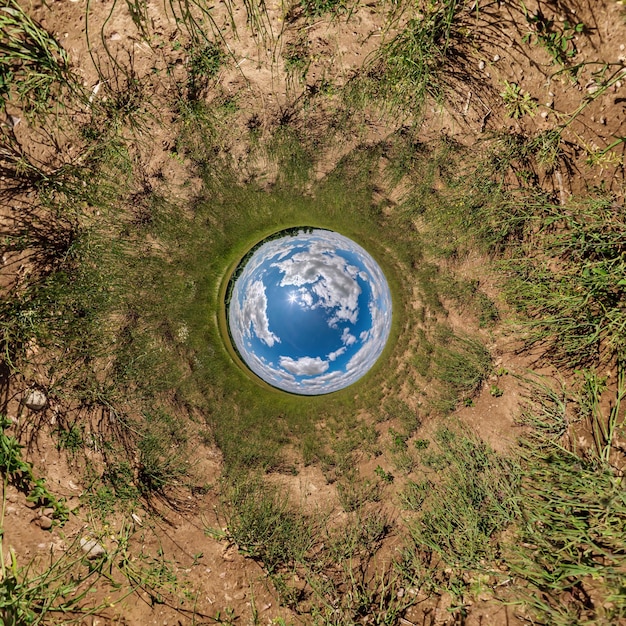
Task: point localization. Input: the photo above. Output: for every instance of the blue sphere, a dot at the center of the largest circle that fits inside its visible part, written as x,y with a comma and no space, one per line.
309,311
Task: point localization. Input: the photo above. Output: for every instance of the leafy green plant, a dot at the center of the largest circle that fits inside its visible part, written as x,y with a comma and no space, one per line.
386,477
517,101
559,42
496,391
20,473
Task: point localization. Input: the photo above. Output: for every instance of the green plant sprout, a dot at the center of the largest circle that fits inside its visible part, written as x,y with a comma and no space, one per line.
517,102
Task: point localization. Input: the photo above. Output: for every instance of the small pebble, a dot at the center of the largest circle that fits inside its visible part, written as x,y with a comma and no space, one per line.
115,36
544,114
49,512
481,65
35,400
496,58
92,548
45,523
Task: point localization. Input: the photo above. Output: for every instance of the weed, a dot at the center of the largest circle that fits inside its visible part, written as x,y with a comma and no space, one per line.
354,492
317,8
408,69
414,494
568,541
472,498
462,364
575,307
71,439
386,477
264,527
60,592
297,58
34,67
20,473
161,465
559,42
517,102
204,64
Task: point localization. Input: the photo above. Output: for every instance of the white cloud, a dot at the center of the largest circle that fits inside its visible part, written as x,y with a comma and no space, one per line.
305,366
333,280
337,353
347,338
254,313
306,299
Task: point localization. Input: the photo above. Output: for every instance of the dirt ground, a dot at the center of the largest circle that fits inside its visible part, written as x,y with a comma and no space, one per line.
204,569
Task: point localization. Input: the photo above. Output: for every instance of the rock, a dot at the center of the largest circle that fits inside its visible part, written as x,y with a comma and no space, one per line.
229,553
92,549
496,58
49,512
115,36
45,523
35,400
481,65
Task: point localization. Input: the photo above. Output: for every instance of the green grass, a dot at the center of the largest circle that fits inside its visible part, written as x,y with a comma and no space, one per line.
569,543
413,65
264,526
34,67
468,499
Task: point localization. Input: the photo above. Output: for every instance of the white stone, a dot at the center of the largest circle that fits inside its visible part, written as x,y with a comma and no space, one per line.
35,400
92,548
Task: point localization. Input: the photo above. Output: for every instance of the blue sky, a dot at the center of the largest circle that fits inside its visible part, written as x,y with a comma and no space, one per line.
310,313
